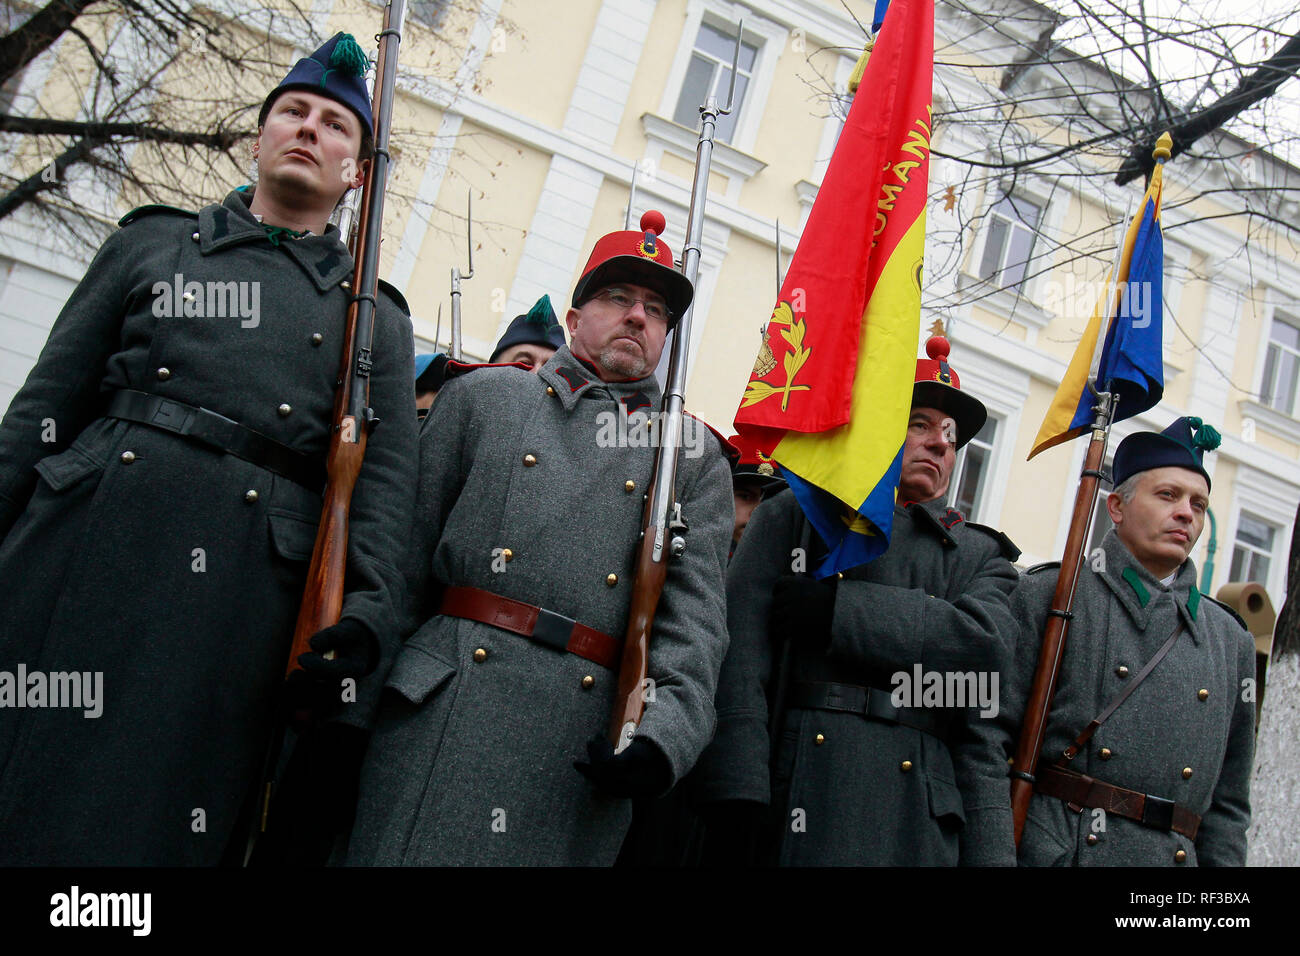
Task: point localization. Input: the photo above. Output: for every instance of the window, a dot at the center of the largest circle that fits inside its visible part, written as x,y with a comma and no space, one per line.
709,72
428,12
1253,550
970,473
1277,388
1013,223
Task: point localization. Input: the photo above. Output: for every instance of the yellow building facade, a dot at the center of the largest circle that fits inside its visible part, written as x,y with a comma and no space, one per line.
554,116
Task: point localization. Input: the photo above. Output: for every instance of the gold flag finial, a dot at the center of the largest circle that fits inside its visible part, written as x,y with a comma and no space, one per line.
1164,146
859,68
936,327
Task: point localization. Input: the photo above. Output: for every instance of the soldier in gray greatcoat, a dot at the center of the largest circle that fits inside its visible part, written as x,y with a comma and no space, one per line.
857,775
1177,753
160,487
528,514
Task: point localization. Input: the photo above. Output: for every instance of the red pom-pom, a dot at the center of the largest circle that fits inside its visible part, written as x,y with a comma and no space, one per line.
937,348
653,221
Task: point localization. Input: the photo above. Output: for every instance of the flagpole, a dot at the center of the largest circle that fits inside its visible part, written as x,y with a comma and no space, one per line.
1052,648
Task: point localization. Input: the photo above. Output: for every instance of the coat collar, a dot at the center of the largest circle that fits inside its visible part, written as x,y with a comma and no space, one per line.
1135,587
572,378
324,259
936,518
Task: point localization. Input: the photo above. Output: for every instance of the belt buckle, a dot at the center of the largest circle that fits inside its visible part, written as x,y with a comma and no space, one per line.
173,416
553,629
1157,813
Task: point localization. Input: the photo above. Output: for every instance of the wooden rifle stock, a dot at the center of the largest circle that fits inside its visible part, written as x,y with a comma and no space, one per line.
1052,649
322,601
647,586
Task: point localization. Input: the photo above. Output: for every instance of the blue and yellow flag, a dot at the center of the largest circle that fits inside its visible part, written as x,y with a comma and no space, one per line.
1132,358
830,392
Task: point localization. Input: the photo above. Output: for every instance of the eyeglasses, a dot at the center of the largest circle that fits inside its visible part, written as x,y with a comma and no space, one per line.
654,308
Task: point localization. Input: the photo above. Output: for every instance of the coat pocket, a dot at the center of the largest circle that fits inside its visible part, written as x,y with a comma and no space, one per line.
945,800
292,535
416,674
64,470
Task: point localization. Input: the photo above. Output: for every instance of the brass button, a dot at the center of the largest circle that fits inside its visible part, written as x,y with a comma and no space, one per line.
1202,694
588,682
1187,773
1180,856
549,390
345,284
819,740
1121,671
317,338
1105,753
163,374
629,486
611,579
480,656
905,766
530,460
128,457
1092,839
250,496
839,575
507,553
284,410
195,237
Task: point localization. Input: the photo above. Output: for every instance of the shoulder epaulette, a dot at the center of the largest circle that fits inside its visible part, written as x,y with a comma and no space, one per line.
397,297
1237,617
1043,567
139,212
1005,544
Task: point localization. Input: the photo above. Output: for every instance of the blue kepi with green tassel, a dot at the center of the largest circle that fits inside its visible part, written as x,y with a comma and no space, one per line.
336,70
1182,445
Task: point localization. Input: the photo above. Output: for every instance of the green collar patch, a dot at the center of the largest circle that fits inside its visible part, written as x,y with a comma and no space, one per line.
1138,587
1193,601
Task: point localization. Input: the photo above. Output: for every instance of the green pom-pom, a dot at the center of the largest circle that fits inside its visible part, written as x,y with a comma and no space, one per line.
542,313
349,57
1206,436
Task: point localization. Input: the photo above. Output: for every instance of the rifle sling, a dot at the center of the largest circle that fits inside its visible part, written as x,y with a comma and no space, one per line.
1086,734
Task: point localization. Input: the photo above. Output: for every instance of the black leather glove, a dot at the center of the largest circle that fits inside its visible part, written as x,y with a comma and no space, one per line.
641,770
356,652
802,610
735,833
315,799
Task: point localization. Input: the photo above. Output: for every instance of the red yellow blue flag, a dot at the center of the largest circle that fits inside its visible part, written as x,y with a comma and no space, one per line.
829,395
1132,357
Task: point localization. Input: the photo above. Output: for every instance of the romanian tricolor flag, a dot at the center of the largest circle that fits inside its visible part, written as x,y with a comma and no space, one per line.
1132,359
830,393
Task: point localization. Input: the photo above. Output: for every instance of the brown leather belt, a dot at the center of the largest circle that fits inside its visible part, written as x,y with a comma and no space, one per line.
1079,790
536,623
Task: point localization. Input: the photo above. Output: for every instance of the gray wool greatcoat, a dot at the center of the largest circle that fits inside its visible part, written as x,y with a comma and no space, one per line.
1164,740
176,571
838,788
471,761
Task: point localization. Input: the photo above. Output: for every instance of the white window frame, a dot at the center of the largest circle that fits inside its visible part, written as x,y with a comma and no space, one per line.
1290,317
1027,303
1269,555
769,37
979,510
1269,499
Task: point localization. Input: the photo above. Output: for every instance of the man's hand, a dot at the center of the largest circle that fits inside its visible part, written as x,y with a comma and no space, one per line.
802,610
316,690
641,770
